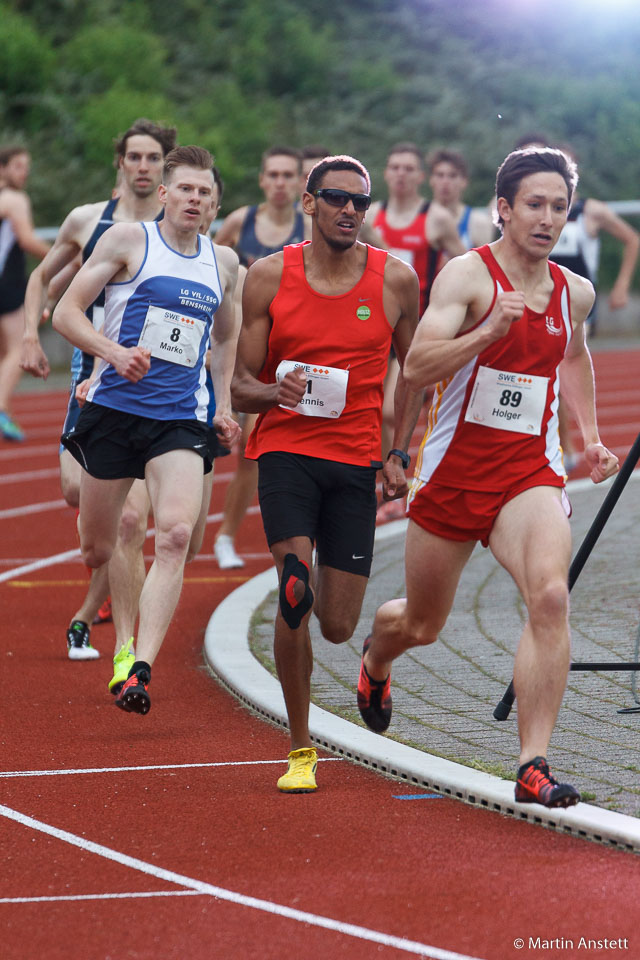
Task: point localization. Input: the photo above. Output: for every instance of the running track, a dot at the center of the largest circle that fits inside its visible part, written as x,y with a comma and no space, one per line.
164,837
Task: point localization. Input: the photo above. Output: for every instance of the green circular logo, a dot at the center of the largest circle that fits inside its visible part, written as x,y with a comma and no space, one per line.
363,313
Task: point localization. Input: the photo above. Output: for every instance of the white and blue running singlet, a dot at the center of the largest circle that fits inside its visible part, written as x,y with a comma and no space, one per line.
168,308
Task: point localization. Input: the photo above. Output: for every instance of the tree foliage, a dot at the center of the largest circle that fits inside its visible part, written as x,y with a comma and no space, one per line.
240,75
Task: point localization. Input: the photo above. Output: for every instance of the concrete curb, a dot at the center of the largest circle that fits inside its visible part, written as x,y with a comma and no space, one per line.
226,649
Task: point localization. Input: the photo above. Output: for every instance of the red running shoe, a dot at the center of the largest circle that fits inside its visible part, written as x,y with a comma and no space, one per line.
536,785
104,613
374,697
134,696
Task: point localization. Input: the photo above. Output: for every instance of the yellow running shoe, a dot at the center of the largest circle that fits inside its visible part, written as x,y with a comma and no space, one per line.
301,775
122,663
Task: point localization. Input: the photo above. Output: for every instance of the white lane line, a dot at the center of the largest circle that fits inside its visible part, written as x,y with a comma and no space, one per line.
5,774
21,452
45,562
221,893
41,507
40,564
29,475
103,896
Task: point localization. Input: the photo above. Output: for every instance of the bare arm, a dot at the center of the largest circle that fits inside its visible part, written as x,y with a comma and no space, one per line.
229,233
481,228
249,394
577,383
117,254
460,296
369,234
442,231
602,217
224,341
407,403
64,250
17,208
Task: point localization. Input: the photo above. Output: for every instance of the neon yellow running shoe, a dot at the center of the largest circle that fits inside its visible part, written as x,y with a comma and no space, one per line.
301,775
122,663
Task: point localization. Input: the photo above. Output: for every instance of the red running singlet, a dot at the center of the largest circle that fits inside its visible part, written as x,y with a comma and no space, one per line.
495,421
342,342
411,245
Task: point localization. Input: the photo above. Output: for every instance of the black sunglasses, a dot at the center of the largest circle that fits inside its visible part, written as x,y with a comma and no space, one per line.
340,198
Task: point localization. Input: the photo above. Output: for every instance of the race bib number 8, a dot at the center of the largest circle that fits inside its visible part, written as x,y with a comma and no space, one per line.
508,401
172,336
326,392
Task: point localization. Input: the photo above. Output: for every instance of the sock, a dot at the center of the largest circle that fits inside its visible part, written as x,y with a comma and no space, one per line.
141,667
293,609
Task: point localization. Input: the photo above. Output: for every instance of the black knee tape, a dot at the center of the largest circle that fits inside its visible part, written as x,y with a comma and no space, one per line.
294,571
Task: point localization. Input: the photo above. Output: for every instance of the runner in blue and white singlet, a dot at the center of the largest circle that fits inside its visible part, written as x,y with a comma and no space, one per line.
168,307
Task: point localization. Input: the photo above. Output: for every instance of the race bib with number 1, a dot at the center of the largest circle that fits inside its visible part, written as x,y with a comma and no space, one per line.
326,392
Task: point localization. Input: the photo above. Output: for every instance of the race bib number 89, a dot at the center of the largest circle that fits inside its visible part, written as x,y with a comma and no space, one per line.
326,392
508,401
172,336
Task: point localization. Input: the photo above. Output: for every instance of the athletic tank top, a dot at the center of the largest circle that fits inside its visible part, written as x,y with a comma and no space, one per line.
82,363
576,249
495,421
463,228
411,245
249,248
13,269
342,343
168,307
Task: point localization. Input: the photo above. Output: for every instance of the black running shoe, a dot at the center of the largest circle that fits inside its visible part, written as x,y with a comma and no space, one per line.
78,643
536,785
374,697
134,696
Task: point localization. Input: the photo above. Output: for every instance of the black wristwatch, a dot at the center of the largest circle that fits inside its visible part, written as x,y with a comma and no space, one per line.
403,457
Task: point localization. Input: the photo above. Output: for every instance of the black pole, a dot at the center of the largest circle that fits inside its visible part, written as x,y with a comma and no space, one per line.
503,709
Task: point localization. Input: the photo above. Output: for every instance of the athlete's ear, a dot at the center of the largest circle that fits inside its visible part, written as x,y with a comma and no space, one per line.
162,193
503,208
308,202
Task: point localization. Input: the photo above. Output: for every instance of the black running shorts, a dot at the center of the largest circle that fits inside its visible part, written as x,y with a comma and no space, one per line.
334,504
112,445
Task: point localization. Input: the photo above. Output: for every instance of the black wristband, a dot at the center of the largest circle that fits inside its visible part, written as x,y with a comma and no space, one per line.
404,458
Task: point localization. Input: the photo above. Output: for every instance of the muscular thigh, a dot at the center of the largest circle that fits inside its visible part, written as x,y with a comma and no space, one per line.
433,566
175,481
531,537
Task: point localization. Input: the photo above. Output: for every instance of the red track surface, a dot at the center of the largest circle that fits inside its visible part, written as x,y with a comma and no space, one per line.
461,880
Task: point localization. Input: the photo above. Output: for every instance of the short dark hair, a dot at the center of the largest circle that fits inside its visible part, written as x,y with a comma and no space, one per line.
189,156
532,140
522,163
407,146
10,151
165,136
314,150
444,155
280,151
340,162
217,179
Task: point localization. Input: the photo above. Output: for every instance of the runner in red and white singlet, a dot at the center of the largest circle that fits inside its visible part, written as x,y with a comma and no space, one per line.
519,377
503,328
318,322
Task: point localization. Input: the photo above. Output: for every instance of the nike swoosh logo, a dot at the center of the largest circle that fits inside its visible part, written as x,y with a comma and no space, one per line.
363,299
354,557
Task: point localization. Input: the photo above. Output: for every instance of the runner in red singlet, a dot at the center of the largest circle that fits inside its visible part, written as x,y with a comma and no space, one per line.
421,233
502,328
318,321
